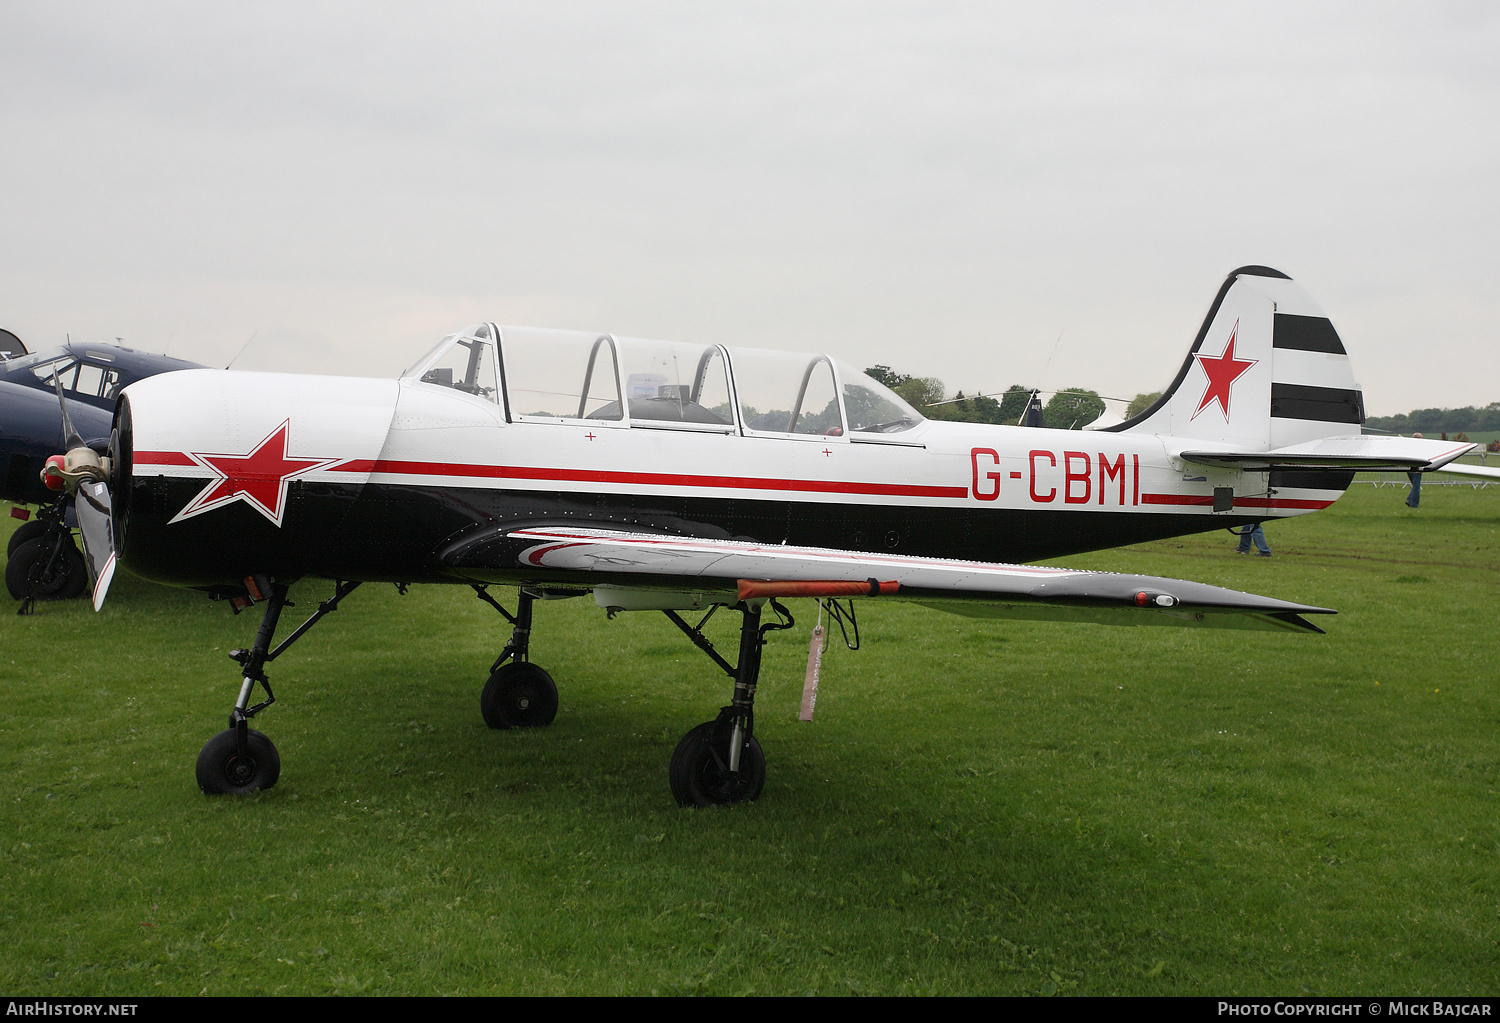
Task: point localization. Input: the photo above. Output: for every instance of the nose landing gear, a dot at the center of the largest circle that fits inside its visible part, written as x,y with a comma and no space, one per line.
240,760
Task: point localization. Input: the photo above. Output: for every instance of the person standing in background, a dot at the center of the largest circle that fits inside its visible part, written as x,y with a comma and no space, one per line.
1253,532
1415,497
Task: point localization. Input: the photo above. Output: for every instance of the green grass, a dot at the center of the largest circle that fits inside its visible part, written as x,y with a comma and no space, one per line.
979,808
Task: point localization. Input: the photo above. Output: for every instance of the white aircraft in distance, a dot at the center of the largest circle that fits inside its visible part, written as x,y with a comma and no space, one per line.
688,477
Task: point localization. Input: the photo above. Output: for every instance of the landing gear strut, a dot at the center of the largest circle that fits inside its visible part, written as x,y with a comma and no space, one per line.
240,760
519,694
721,761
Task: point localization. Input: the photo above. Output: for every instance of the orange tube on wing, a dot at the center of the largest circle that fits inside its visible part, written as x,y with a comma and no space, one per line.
751,589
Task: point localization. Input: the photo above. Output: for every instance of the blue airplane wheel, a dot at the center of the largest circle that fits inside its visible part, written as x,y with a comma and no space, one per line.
221,772
700,774
24,532
519,695
28,571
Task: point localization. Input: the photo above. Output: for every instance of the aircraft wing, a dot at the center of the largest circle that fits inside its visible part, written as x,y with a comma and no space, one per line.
1363,452
739,569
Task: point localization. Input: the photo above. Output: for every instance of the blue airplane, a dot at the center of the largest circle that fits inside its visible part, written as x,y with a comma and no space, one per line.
43,561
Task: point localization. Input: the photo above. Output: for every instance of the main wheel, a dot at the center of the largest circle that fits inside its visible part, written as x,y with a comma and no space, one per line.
700,773
25,531
221,771
27,570
519,695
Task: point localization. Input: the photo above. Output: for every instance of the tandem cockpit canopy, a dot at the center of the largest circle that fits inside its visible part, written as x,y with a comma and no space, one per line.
560,376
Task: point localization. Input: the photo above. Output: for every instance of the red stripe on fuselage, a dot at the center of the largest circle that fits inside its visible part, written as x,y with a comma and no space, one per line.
161,458
1200,500
658,479
661,479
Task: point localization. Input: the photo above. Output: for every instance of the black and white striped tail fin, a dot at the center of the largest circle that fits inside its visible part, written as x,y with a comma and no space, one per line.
1266,371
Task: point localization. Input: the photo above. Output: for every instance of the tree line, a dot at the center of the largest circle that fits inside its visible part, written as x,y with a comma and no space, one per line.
1435,421
1071,408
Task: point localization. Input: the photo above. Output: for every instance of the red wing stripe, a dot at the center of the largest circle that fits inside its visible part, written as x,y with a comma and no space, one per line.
763,550
535,556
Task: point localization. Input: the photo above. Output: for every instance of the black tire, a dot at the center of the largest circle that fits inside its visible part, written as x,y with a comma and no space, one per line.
25,531
519,695
27,567
699,772
221,773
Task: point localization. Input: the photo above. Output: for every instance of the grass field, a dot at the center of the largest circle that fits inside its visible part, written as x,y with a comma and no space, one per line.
978,808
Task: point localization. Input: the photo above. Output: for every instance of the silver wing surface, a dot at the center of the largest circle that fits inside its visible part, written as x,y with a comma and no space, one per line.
1488,472
735,569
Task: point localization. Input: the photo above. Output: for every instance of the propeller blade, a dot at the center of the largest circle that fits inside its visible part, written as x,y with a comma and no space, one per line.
71,439
96,525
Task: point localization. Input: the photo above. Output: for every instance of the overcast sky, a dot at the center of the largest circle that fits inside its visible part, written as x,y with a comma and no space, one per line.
944,188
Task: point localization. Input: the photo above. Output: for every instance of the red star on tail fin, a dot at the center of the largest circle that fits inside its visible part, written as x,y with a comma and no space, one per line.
1222,372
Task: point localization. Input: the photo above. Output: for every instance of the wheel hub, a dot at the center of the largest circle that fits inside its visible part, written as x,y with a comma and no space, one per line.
238,771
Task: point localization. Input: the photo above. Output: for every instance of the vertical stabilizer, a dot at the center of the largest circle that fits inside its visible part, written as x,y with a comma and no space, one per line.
1267,370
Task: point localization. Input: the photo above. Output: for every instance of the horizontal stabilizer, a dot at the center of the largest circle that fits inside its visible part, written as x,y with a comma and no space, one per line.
1489,472
1360,452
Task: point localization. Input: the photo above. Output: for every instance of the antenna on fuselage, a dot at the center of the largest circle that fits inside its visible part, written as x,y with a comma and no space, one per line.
1032,414
242,350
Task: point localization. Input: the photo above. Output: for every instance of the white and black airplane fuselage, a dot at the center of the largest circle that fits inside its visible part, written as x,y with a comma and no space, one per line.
414,482
675,476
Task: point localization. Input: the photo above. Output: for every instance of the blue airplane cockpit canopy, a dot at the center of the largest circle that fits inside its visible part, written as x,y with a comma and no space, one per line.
92,374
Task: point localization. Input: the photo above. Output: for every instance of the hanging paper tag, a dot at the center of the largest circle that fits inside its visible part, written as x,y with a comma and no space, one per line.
814,666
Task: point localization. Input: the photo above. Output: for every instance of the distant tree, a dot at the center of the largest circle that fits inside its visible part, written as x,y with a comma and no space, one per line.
1073,409
1140,403
887,376
986,410
921,391
978,409
1439,420
1013,403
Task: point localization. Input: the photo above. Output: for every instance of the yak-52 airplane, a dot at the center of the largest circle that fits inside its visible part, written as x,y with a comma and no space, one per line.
689,477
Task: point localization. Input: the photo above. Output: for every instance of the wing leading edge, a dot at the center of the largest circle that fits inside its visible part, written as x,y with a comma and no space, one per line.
975,589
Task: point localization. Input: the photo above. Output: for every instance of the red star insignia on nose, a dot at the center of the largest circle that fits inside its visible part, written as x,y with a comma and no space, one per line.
1222,372
259,478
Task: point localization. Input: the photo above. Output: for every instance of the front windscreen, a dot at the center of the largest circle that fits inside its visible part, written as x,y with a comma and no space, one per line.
463,363
36,359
